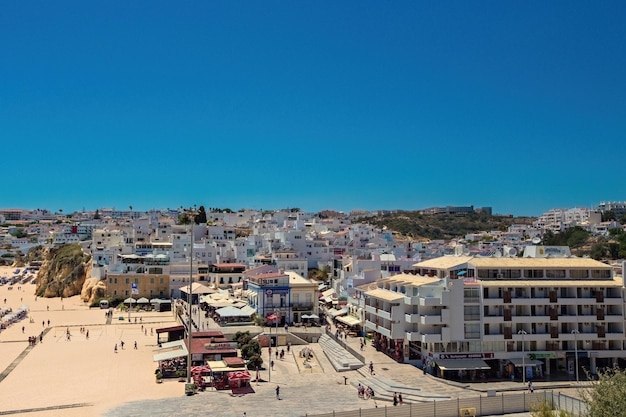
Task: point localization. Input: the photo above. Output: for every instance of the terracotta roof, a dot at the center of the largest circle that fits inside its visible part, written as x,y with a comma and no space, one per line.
207,334
170,329
235,362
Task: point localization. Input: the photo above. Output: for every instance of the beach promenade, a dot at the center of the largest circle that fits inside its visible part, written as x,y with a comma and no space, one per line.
85,377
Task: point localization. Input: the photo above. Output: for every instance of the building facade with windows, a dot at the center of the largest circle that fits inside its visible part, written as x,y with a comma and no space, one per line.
501,315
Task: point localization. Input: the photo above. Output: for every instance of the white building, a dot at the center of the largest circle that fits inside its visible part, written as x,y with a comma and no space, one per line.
498,314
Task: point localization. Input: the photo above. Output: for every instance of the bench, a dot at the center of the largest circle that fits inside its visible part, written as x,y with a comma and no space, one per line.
467,412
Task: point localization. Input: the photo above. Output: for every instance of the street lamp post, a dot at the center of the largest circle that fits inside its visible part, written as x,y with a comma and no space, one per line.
270,359
189,303
523,332
575,333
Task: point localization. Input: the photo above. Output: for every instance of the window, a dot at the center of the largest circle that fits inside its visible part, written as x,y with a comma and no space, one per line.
511,273
600,273
471,313
151,280
127,280
555,273
471,295
533,273
487,273
472,331
579,273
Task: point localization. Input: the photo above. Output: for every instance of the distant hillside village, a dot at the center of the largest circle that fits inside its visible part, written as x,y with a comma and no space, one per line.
483,301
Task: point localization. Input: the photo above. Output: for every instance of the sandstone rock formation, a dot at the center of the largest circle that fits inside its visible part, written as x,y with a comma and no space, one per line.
63,271
93,290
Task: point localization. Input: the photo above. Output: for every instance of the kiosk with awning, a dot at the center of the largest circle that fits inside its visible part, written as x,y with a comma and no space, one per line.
237,379
459,368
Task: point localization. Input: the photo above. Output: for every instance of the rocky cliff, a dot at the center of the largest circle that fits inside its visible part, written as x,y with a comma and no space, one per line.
63,271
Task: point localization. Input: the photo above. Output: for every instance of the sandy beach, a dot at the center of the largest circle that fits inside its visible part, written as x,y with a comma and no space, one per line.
83,374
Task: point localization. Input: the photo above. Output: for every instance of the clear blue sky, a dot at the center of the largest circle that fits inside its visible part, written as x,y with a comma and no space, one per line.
352,104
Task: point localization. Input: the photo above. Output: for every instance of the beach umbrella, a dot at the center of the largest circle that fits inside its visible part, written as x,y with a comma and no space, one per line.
305,316
143,300
314,316
202,369
130,300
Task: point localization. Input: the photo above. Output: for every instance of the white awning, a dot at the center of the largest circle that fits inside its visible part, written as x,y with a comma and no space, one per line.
349,320
335,313
461,364
171,350
230,311
519,362
328,293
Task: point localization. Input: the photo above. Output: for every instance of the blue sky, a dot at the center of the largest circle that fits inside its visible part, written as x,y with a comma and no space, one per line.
345,105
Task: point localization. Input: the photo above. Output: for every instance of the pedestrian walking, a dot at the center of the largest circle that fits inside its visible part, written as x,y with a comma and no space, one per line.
277,392
531,388
371,368
122,344
400,398
135,345
115,348
395,399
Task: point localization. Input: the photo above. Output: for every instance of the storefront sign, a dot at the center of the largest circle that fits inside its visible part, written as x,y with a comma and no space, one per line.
541,355
216,346
465,355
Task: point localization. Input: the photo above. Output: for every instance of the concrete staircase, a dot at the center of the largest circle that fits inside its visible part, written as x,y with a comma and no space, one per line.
384,389
340,358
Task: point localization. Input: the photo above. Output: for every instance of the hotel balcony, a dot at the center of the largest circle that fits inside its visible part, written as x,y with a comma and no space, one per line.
378,312
429,301
377,328
493,319
430,320
302,307
412,318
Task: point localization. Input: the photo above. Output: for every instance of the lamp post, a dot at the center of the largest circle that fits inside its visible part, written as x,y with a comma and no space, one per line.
189,302
270,359
523,332
575,333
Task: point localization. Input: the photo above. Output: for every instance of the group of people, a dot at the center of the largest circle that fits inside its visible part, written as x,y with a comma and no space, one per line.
397,399
364,392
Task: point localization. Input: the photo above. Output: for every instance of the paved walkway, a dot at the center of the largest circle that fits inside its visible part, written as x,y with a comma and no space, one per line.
307,391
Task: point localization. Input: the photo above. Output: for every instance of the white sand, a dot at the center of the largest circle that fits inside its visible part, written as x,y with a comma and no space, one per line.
58,372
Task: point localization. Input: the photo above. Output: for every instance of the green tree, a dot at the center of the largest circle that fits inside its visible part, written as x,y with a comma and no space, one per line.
200,218
598,251
183,218
242,338
252,348
255,362
607,395
608,216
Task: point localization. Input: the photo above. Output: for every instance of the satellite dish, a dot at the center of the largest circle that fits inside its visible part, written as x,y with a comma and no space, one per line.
498,254
536,240
512,252
466,251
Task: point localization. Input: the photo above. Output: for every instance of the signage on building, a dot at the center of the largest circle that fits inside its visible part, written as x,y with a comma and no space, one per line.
273,291
465,355
542,355
223,345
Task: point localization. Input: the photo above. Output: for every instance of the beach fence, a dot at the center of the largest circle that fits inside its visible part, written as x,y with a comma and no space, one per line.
575,406
503,403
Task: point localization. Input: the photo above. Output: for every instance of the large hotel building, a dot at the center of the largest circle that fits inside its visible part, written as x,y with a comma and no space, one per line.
477,317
